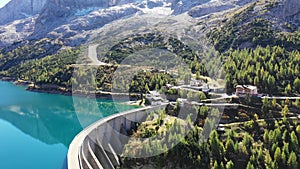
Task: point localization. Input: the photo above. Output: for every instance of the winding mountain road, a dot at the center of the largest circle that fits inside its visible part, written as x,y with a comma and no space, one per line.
92,54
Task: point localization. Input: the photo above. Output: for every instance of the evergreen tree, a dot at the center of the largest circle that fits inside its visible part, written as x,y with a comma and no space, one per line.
288,89
147,88
297,85
229,165
216,166
249,166
216,145
283,158
294,142
292,161
268,160
229,148
284,111
277,155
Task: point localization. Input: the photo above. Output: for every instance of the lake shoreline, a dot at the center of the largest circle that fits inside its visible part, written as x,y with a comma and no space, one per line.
129,99
43,125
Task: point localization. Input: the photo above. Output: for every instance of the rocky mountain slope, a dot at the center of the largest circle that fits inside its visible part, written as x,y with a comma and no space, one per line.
73,22
259,24
20,9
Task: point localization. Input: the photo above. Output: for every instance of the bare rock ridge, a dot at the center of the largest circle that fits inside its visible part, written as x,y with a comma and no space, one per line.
208,8
61,12
290,9
72,21
20,9
184,6
85,3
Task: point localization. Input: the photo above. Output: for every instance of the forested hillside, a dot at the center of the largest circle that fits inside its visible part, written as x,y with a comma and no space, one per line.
54,69
262,144
259,48
28,51
273,69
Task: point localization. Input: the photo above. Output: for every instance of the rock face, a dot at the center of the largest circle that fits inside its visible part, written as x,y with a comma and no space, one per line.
19,9
73,20
290,9
16,31
88,3
205,9
58,12
185,5
74,33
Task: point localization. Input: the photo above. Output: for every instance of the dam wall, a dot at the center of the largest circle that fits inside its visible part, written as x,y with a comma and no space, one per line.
99,145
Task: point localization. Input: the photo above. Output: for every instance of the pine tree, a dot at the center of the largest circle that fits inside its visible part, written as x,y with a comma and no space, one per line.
271,83
247,141
222,166
216,166
217,147
288,89
229,165
260,155
266,137
268,160
292,161
297,85
286,136
229,148
294,142
277,155
284,111
283,158
285,149
249,166
147,88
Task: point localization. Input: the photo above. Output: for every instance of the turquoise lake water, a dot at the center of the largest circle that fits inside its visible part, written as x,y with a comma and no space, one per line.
37,128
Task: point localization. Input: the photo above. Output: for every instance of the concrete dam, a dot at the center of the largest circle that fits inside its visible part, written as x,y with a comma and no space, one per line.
99,145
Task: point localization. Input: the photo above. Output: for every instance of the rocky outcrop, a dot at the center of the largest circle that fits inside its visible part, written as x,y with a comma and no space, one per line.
185,5
76,30
209,8
289,10
73,20
20,9
16,31
73,32
89,3
59,12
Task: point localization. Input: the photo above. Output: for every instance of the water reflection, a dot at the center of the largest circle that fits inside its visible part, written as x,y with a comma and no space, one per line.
51,122
50,118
